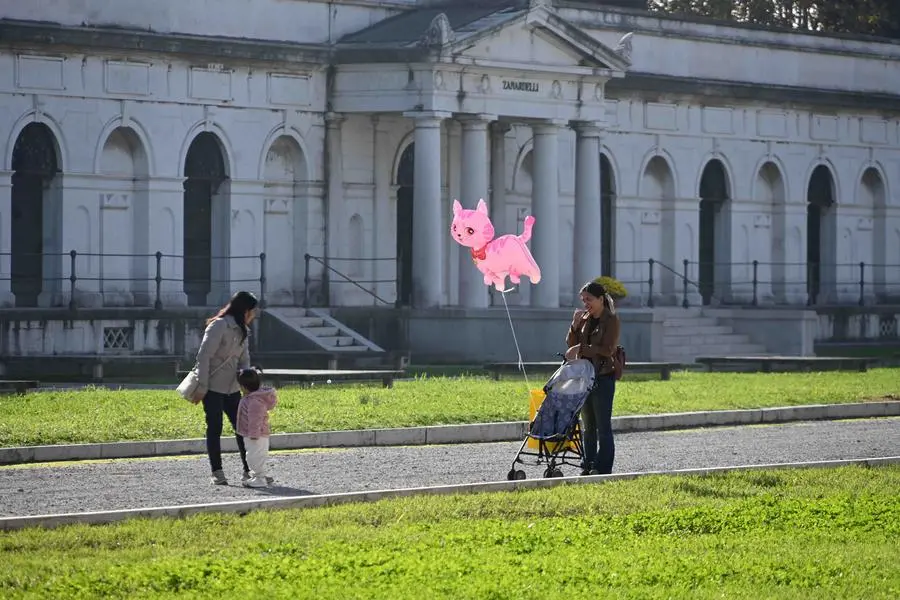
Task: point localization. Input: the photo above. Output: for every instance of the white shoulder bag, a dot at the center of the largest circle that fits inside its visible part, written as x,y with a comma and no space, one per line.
188,386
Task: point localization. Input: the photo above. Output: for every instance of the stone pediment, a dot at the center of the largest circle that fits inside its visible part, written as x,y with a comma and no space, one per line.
535,38
540,40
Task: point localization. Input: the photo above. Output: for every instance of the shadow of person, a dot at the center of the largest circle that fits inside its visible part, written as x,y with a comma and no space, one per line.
283,490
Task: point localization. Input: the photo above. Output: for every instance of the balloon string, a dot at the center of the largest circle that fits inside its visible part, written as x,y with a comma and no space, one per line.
515,340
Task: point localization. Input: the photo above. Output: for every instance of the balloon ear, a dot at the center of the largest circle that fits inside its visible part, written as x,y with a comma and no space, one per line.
457,207
482,207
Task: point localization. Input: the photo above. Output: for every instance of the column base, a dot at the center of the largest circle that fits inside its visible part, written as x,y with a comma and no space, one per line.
119,298
7,299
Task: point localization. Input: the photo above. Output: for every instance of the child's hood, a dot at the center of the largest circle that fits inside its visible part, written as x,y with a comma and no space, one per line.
266,395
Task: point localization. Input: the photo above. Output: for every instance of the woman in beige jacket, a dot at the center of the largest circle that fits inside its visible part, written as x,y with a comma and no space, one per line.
223,352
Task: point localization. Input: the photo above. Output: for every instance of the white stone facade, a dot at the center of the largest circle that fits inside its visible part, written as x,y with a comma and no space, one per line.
526,114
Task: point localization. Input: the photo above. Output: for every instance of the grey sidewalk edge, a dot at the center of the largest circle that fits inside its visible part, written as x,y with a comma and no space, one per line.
447,434
243,507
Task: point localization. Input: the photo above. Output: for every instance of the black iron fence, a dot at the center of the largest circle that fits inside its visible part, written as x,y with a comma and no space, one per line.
651,282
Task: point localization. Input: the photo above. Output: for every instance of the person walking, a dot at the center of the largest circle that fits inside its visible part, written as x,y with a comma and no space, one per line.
223,351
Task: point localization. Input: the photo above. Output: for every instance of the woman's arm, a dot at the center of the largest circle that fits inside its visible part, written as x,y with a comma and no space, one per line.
572,336
212,339
606,346
244,361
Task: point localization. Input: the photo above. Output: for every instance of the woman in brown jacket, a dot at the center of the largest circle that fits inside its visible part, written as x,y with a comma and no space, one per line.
594,335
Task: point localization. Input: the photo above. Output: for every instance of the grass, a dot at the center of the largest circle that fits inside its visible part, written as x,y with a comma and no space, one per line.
101,415
818,533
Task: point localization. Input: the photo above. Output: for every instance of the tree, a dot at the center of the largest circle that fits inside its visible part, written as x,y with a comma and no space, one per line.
871,17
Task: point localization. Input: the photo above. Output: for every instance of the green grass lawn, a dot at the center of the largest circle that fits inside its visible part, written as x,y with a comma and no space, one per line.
103,415
818,533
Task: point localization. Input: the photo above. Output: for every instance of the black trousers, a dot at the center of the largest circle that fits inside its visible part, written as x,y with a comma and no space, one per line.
215,405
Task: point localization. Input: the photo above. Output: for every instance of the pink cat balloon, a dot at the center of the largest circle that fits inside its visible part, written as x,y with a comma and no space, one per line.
495,258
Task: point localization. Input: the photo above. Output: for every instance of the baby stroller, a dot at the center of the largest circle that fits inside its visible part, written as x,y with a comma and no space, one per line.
556,427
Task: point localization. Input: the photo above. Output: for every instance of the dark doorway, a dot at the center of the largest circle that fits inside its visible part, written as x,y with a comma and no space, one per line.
713,196
405,197
820,197
204,168
607,217
34,164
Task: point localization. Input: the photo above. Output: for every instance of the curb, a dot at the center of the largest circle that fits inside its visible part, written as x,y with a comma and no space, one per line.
448,434
244,507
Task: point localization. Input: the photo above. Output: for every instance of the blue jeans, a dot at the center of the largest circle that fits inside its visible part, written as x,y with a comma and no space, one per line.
596,422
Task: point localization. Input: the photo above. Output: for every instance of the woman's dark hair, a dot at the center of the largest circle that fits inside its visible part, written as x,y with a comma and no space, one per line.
597,290
237,307
249,379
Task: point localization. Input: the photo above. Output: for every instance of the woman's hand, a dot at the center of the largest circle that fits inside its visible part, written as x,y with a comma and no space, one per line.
198,397
572,353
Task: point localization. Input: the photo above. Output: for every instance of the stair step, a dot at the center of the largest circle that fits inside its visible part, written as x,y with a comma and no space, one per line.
681,332
309,322
337,340
323,332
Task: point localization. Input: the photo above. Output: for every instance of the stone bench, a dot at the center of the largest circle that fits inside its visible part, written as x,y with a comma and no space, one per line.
17,386
663,369
280,377
784,364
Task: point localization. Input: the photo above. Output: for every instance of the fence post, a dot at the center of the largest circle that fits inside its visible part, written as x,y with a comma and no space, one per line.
684,302
306,282
862,283
755,282
650,283
157,304
72,279
262,279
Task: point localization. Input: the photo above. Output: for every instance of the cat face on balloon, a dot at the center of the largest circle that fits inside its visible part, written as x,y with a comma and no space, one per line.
471,228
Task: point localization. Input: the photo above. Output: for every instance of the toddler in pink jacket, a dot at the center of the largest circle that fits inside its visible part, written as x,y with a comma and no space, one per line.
253,425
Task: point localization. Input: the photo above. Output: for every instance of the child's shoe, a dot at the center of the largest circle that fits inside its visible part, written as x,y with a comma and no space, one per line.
218,478
255,482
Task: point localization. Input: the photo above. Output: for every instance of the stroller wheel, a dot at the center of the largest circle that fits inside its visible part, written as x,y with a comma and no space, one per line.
552,472
515,475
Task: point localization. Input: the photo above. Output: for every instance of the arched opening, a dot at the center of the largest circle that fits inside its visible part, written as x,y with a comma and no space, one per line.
658,183
35,206
714,260
405,192
205,257
820,232
285,220
874,195
125,279
607,217
770,191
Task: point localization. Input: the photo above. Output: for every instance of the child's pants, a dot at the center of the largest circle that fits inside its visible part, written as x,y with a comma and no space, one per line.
257,453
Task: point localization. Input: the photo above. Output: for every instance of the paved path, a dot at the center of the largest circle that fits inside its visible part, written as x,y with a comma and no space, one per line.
139,483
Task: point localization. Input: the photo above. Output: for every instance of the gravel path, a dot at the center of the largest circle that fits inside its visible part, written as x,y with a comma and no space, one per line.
120,484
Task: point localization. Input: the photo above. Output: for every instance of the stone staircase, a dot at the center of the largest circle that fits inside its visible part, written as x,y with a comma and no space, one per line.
323,331
689,333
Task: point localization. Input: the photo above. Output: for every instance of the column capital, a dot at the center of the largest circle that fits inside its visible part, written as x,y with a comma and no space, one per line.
500,128
428,117
548,127
588,128
476,121
333,119
5,177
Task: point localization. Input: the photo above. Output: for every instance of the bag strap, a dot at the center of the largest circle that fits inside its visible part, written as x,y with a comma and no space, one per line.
225,362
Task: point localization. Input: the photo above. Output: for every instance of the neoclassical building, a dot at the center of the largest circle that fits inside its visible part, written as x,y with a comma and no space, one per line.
157,159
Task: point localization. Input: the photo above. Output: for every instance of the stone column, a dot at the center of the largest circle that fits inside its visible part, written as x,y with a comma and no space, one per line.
588,239
545,206
428,236
165,232
6,295
334,220
247,239
384,244
472,291
497,204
